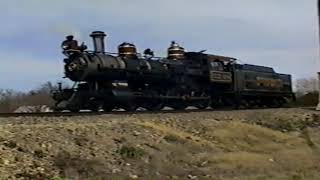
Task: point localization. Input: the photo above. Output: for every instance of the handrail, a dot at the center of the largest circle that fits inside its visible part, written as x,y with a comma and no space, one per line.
138,54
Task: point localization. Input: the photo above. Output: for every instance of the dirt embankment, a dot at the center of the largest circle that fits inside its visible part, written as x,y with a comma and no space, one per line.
222,145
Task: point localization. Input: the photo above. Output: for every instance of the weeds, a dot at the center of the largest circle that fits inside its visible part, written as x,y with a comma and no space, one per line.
283,123
131,152
57,178
171,138
75,166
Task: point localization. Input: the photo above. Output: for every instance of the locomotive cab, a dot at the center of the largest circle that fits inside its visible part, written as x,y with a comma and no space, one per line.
220,68
217,66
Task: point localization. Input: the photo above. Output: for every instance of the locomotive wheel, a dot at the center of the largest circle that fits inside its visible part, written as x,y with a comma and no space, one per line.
252,104
203,104
74,110
154,106
107,107
260,103
179,106
130,107
244,104
273,103
95,108
282,102
216,103
57,110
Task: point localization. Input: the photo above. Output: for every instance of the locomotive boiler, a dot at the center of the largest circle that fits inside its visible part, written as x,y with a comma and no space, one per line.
129,80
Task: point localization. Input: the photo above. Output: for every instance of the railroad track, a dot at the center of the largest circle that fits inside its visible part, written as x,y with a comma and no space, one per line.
66,114
58,114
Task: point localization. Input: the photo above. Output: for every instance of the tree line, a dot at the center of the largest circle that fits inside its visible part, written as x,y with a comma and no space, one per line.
10,99
307,92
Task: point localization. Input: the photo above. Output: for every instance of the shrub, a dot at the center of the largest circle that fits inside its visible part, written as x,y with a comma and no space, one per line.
130,152
309,99
10,100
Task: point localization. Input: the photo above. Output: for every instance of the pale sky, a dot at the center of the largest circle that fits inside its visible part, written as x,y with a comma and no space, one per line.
279,33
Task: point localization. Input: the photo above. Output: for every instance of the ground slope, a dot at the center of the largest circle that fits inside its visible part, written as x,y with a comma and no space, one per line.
227,145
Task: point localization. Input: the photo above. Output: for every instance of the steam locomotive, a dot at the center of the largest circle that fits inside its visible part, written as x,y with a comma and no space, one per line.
129,80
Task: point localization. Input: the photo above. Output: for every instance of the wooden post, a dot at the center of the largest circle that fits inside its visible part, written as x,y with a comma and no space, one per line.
318,107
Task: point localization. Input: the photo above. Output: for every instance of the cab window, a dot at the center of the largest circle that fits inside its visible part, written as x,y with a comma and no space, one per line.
216,66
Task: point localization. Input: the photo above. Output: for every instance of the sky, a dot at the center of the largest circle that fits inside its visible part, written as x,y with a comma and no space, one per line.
282,34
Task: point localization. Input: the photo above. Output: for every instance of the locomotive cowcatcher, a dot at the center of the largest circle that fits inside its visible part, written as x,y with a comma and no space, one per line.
129,80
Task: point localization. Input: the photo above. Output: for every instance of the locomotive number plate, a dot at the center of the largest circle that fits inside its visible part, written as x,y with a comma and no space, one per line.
221,77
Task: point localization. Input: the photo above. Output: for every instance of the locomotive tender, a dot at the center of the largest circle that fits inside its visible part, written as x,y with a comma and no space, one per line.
129,80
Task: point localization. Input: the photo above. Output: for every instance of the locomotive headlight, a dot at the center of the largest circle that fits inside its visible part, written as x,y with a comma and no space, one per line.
72,66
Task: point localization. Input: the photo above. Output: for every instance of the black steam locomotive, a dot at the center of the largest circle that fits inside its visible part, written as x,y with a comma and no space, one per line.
129,80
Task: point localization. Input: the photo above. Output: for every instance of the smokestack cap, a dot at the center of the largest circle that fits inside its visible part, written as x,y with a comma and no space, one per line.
98,41
97,34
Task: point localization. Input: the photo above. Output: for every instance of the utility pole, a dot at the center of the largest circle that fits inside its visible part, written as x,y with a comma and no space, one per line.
318,107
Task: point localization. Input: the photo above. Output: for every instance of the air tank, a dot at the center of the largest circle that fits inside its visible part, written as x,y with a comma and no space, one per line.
175,51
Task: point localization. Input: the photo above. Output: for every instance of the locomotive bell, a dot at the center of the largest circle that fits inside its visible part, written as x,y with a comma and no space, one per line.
175,51
127,50
98,41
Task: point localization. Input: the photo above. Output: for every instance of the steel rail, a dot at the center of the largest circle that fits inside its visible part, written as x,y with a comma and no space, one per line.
66,114
57,114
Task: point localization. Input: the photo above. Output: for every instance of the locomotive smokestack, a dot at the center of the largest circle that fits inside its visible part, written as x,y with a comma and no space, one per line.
98,41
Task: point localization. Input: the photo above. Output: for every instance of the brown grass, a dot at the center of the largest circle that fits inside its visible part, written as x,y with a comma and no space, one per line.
246,149
153,148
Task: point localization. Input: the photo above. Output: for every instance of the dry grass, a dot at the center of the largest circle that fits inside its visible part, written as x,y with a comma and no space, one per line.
151,147
240,136
177,135
237,148
244,162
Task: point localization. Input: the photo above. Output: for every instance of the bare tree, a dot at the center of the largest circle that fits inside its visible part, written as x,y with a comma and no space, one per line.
10,100
306,85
